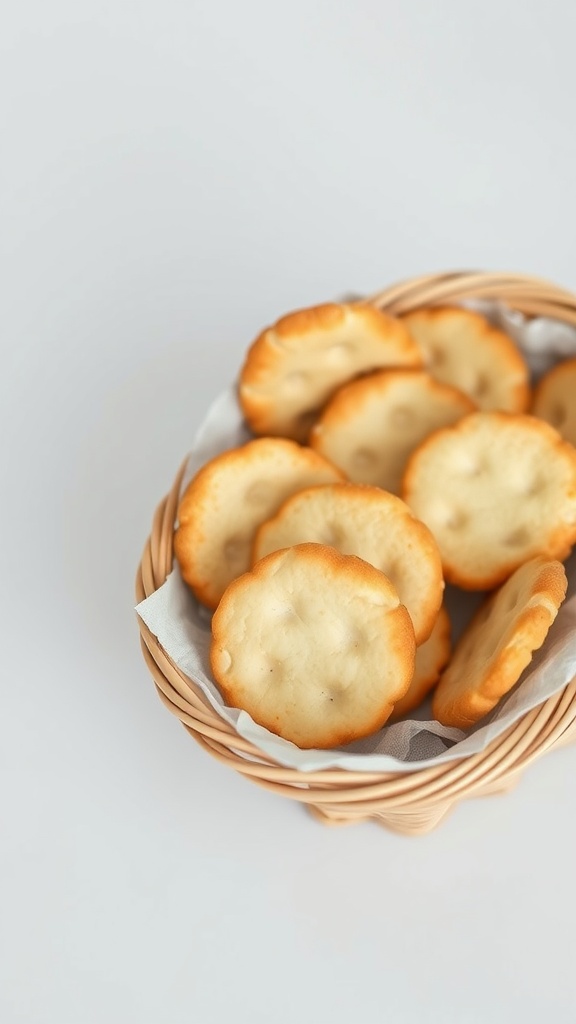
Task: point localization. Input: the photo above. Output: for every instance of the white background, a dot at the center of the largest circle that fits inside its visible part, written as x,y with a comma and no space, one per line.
174,175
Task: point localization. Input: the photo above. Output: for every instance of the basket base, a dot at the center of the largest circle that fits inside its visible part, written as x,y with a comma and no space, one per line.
404,823
409,822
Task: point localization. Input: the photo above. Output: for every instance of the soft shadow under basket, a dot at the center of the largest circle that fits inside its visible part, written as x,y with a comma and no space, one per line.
415,801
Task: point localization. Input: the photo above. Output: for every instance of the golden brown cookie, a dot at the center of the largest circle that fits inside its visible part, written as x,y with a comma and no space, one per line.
495,490
371,426
499,643
229,498
377,527
555,399
461,348
314,645
431,658
293,367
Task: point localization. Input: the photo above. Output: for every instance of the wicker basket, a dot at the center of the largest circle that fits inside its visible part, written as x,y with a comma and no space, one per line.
413,802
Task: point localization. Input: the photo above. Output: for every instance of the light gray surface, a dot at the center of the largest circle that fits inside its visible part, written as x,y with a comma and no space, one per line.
173,176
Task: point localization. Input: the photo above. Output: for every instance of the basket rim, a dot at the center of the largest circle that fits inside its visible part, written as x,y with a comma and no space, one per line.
338,791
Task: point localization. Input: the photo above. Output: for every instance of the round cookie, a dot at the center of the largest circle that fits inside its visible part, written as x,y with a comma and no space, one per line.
499,642
293,367
226,502
314,645
555,399
375,526
462,348
431,658
371,426
495,490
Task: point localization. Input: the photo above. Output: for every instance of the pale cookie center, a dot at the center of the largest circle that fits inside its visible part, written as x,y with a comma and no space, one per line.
457,519
296,380
535,485
436,356
470,465
480,386
337,637
333,535
340,351
258,493
364,458
518,538
401,416
234,550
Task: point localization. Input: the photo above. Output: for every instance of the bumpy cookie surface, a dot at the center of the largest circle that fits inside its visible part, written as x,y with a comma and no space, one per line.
495,490
293,367
371,426
431,658
314,645
555,399
461,348
377,527
226,502
499,643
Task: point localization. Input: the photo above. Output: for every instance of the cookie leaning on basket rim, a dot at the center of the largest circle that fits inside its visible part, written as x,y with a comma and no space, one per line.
499,642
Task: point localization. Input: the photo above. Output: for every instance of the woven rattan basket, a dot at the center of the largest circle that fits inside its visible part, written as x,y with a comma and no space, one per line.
413,802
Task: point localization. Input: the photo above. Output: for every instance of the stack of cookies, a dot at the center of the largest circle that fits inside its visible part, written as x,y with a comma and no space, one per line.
390,456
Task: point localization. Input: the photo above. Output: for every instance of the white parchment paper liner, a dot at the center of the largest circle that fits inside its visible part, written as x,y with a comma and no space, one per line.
182,626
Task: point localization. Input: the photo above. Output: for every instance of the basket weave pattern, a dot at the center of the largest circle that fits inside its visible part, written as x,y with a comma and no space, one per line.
413,802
